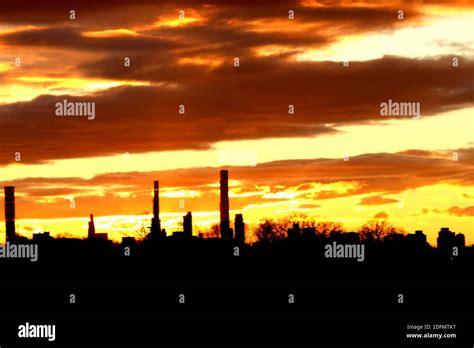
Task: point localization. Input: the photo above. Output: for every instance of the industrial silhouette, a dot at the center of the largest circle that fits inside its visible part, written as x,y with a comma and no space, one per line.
226,232
10,213
91,230
155,228
298,241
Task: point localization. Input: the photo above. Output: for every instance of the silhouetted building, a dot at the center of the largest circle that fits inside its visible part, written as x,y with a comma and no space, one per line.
309,232
41,237
188,225
417,238
155,229
128,241
10,213
420,237
101,236
239,228
91,230
294,233
460,240
163,233
225,230
178,235
447,240
394,238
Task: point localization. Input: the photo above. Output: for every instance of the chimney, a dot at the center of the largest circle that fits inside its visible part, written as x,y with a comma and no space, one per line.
10,213
155,221
225,231
91,231
188,225
239,228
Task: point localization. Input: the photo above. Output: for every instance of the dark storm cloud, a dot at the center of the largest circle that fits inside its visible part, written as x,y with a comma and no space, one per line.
65,37
250,102
222,102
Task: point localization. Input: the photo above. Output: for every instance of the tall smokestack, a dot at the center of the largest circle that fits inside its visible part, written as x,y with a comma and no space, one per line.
226,233
10,212
155,221
156,200
188,225
91,231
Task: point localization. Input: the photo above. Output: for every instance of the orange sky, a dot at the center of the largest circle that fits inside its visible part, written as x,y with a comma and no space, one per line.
418,171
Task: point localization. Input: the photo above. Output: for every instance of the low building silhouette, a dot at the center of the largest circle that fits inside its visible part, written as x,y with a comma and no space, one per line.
42,237
309,233
447,240
239,227
295,232
129,241
177,235
101,236
417,239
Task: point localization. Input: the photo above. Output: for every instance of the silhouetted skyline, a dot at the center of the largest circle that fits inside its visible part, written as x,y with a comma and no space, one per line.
267,233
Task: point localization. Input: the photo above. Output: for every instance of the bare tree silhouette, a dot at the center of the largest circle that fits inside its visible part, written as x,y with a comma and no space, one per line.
377,229
270,231
212,231
140,233
328,228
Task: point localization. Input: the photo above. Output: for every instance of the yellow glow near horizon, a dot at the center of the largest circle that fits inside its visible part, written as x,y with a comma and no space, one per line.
5,67
175,22
180,193
190,16
431,39
110,33
13,28
424,208
117,226
212,62
76,82
271,50
26,88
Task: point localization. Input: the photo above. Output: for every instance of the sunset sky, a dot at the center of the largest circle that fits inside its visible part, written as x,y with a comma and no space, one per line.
335,158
